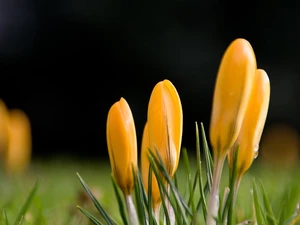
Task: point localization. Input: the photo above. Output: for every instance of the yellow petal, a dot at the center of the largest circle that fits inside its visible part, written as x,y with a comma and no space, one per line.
122,145
18,154
156,199
253,123
165,123
231,95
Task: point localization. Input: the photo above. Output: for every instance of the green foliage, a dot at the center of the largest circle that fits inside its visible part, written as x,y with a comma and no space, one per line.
190,202
272,198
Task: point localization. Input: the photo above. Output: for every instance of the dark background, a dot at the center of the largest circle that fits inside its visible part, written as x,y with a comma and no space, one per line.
65,62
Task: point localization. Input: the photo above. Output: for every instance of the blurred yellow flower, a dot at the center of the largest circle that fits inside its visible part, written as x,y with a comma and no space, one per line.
231,95
18,154
122,144
156,198
165,124
253,124
4,118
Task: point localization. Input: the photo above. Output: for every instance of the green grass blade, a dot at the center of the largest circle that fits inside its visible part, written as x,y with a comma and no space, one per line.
228,211
182,206
159,163
270,215
150,207
122,208
102,212
200,175
189,180
26,205
162,193
142,188
176,181
289,200
208,158
140,199
93,219
257,206
6,218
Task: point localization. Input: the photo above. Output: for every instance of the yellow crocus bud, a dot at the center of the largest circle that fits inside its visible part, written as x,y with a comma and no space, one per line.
156,198
231,95
165,124
122,145
253,124
18,155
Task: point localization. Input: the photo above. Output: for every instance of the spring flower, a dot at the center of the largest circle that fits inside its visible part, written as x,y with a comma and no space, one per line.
122,144
253,124
156,198
165,130
18,154
231,96
165,124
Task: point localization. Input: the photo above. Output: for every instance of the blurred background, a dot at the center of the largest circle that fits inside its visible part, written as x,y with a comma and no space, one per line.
65,62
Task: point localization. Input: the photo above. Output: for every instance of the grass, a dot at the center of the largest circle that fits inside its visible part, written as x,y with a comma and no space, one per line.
59,190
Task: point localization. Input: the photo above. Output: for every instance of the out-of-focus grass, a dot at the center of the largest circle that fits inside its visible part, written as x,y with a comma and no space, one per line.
60,191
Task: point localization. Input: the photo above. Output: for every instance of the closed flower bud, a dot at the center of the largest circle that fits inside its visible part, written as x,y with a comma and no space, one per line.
253,124
165,124
122,145
18,154
156,199
231,95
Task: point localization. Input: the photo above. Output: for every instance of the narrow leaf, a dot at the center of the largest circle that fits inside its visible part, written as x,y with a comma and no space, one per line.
200,174
6,218
122,208
102,212
27,203
208,158
189,180
270,216
257,207
93,219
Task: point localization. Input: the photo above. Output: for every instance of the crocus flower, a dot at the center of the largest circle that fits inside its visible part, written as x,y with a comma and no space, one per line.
122,145
165,129
156,198
18,154
165,124
231,95
253,124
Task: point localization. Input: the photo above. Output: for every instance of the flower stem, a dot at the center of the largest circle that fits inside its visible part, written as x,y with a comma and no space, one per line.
132,215
169,208
213,201
236,185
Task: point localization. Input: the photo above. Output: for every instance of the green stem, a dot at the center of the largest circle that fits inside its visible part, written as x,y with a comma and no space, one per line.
213,201
132,215
237,181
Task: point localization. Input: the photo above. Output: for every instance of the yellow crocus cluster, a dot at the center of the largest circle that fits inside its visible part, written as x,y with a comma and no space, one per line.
15,139
162,132
240,106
